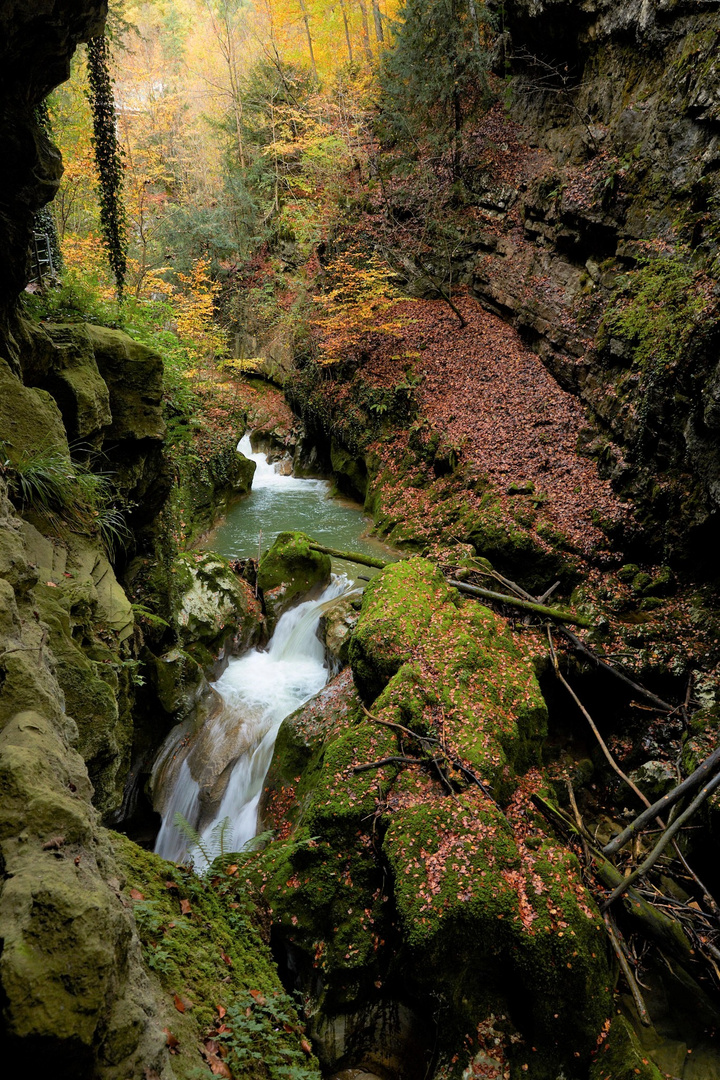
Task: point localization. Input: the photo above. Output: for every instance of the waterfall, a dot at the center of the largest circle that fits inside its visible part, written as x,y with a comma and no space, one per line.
217,773
268,477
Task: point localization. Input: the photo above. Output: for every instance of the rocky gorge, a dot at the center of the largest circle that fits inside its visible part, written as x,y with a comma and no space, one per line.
426,896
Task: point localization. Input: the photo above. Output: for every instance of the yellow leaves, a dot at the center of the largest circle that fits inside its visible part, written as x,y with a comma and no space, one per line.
195,306
364,292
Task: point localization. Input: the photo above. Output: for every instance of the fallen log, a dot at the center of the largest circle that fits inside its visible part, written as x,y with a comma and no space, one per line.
525,605
472,590
351,556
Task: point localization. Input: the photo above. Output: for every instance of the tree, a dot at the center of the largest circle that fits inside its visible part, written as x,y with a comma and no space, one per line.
435,75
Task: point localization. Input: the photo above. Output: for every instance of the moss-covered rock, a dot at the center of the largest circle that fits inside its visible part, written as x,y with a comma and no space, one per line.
30,420
217,613
387,888
287,571
620,1056
210,489
69,951
134,377
417,652
204,941
62,361
88,621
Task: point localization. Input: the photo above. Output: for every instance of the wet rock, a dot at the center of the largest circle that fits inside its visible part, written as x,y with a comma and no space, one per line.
217,614
336,626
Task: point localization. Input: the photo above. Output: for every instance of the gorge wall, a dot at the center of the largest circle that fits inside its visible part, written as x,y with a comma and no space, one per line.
602,237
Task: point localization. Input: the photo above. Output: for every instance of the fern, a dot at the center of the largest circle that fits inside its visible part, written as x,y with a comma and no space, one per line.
210,849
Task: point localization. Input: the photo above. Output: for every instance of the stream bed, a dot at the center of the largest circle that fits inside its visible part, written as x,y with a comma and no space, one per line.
215,775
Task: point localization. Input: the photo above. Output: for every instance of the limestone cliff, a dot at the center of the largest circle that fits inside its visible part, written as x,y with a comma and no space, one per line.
601,236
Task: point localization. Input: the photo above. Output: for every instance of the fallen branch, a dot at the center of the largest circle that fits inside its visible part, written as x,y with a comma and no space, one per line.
526,605
694,780
647,694
614,935
391,761
601,742
351,556
431,741
664,840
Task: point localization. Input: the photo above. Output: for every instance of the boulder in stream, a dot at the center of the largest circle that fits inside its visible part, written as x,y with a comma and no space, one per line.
288,571
441,903
217,613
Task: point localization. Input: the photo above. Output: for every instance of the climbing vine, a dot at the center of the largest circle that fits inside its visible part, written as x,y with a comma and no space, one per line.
108,157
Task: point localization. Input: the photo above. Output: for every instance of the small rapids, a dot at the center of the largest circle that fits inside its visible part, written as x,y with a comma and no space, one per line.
214,773
218,773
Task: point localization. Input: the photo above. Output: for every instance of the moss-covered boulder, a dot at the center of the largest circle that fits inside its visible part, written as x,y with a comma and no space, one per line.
288,571
418,651
621,1057
30,421
217,613
69,954
219,987
396,888
62,361
134,377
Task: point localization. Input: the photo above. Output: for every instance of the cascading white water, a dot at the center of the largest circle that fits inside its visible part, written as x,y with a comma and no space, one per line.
269,477
258,690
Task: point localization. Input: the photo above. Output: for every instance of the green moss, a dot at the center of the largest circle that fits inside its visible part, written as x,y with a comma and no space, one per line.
201,939
620,1057
288,570
417,654
656,310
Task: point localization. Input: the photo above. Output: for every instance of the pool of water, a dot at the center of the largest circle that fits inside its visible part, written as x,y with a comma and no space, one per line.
280,503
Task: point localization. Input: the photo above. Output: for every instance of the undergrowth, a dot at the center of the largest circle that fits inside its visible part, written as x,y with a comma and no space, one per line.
66,494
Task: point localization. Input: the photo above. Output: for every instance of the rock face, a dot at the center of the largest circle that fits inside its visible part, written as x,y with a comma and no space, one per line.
37,41
75,995
613,177
411,913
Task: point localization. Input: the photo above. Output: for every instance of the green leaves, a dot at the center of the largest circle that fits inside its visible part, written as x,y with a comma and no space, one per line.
108,156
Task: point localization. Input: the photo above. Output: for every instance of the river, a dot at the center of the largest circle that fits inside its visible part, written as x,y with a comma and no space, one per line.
213,777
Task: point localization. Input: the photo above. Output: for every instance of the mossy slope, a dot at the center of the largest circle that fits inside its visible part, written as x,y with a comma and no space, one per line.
385,886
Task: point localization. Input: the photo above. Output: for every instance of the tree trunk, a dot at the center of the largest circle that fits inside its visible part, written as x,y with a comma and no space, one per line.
347,30
306,20
378,22
365,29
475,26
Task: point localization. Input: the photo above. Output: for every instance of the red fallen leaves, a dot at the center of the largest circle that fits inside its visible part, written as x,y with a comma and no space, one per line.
136,894
181,1004
171,1041
226,960
185,908
213,1050
259,996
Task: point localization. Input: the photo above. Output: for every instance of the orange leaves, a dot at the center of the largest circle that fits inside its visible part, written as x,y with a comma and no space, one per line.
359,301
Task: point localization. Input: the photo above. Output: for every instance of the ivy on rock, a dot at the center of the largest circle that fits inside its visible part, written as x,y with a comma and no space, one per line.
108,157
